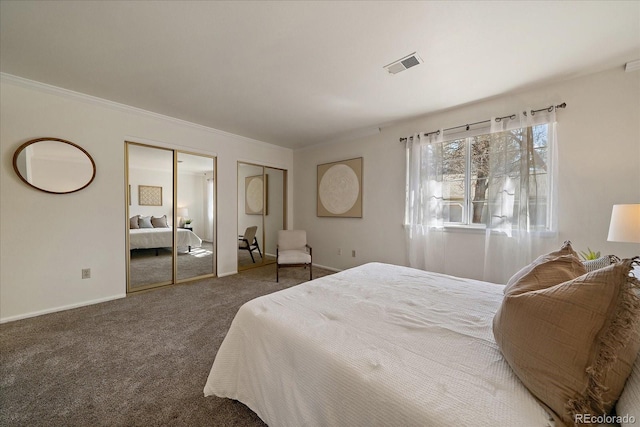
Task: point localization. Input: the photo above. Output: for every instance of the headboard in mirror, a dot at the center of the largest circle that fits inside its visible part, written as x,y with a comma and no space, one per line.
54,165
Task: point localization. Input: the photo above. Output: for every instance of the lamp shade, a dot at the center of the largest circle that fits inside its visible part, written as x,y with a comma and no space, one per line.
183,212
625,224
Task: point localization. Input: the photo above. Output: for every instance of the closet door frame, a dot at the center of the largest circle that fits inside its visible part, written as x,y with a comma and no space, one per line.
263,233
214,241
174,214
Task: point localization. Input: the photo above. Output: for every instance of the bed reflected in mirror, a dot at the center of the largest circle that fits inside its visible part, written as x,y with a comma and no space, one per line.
195,216
150,179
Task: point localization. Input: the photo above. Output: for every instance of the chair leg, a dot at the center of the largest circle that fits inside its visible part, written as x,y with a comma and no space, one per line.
258,246
277,272
310,268
251,253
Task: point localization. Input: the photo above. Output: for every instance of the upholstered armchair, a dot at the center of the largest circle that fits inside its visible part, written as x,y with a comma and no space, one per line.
293,251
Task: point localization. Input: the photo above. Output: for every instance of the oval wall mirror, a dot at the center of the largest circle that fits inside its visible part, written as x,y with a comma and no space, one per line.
54,165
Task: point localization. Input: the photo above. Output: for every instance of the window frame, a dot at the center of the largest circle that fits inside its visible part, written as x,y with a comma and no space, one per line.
467,213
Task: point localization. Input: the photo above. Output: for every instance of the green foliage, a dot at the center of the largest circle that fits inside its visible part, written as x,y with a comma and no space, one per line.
589,255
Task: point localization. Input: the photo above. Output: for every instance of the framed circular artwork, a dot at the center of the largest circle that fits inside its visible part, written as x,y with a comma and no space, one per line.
340,189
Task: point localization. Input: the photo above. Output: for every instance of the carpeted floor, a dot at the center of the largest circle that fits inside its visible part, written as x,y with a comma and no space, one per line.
138,361
244,259
155,265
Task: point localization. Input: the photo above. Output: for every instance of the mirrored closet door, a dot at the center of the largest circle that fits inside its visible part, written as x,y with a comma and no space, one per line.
150,193
261,213
195,216
171,207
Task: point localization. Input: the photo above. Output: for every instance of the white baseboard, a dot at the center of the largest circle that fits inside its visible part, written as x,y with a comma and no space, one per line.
229,273
62,308
328,268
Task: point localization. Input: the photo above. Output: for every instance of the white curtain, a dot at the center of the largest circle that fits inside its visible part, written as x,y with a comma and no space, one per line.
424,222
208,205
519,170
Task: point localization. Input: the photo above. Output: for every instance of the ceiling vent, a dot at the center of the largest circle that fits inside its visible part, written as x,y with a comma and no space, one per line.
632,66
402,64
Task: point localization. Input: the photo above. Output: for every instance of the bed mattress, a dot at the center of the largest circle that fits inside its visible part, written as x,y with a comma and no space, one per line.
374,345
148,238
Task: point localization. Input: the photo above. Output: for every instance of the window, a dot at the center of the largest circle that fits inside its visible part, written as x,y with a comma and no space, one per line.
493,177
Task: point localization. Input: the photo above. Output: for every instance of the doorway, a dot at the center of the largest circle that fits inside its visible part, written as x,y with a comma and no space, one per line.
171,209
262,203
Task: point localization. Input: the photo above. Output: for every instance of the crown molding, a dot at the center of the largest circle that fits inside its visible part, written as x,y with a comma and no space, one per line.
94,100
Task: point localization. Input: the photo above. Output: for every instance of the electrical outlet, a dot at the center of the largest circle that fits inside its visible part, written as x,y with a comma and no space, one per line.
339,251
86,273
353,253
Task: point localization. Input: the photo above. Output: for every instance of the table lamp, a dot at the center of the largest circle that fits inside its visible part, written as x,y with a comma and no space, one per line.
625,224
183,213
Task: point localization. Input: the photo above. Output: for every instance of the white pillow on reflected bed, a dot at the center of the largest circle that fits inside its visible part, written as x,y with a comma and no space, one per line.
629,402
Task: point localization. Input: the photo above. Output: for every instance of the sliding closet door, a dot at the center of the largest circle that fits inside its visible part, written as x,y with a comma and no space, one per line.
150,212
261,203
171,208
195,196
251,205
274,218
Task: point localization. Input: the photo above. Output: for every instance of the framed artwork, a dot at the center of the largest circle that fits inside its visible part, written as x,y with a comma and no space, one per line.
256,196
149,195
340,189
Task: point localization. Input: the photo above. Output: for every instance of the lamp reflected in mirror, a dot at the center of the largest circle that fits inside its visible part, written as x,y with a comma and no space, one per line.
183,217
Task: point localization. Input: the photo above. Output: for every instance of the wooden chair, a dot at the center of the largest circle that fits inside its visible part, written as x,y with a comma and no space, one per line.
293,251
249,242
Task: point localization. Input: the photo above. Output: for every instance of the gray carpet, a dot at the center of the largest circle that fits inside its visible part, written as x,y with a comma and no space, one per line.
154,265
244,259
138,361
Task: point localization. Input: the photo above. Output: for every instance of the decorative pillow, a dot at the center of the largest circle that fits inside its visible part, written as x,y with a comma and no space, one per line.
628,404
160,222
144,222
547,270
573,344
603,261
133,222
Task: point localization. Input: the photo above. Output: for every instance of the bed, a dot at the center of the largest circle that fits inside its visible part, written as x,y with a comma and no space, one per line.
374,345
153,238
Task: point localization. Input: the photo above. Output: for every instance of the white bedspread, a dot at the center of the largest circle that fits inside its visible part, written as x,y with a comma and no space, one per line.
376,345
147,238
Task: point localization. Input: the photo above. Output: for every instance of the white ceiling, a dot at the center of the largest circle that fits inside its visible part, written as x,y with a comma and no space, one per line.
301,73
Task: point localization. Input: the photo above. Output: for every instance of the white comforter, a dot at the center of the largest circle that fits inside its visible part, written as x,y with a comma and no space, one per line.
146,238
374,345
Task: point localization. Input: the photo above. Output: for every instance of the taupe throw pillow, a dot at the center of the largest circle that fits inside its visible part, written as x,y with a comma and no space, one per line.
573,344
133,222
547,270
159,222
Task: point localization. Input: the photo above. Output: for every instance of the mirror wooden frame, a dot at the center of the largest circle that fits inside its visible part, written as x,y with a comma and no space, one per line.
63,141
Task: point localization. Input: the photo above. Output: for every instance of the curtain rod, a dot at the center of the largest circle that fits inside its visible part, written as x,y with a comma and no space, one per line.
511,116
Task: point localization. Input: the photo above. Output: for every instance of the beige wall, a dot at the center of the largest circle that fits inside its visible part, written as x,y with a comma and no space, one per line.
599,163
46,240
